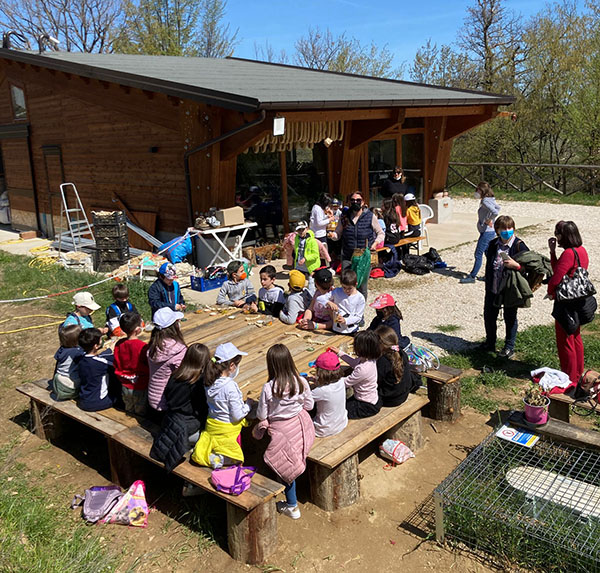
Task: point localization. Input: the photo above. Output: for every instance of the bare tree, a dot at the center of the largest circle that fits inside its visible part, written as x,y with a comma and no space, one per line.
267,53
79,25
321,50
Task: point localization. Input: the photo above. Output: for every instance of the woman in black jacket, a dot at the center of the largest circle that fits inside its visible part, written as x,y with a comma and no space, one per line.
500,255
395,378
187,409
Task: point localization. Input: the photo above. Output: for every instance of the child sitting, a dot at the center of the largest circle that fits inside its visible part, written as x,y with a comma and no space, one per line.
395,378
131,364
220,442
363,379
388,314
297,301
317,315
237,290
380,219
165,291
65,382
307,258
329,395
122,304
270,296
165,353
283,409
186,410
96,373
346,305
85,305
413,215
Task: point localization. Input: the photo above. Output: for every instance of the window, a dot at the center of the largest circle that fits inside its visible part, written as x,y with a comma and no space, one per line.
18,103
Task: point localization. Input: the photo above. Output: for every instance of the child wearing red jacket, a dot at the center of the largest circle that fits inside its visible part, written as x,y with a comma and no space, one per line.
131,364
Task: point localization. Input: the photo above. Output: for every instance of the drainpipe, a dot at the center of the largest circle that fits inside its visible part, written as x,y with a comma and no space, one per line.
186,157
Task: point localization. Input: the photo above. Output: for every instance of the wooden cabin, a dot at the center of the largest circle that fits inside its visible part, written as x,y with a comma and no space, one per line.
166,135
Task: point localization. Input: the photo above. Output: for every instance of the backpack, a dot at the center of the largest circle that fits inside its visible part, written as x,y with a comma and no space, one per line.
416,264
62,324
233,480
421,358
588,386
97,501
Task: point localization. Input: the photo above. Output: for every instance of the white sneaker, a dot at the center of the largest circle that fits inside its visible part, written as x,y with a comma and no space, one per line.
285,509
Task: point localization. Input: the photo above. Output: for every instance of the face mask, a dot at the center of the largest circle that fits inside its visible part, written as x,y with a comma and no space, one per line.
507,234
354,207
477,196
235,372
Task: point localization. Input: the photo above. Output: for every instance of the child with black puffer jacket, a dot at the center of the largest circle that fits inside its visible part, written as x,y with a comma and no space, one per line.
388,314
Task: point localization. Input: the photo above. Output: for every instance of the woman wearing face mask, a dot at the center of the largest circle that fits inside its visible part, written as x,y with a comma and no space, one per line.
500,255
486,215
358,228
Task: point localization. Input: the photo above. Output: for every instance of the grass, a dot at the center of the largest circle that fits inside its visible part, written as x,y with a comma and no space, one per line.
38,536
19,280
499,382
448,327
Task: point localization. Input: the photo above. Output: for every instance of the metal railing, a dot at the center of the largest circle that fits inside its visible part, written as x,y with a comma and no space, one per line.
523,177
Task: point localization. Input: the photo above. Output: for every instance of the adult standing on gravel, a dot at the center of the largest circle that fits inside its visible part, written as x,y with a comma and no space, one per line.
486,215
500,260
358,229
568,341
320,217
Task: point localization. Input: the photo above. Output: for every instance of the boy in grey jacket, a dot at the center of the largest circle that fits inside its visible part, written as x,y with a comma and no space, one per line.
238,290
297,301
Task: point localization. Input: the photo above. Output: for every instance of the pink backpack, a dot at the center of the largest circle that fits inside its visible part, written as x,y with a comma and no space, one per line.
233,479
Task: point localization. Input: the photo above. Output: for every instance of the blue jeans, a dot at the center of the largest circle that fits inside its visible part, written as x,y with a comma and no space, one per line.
290,494
490,318
483,243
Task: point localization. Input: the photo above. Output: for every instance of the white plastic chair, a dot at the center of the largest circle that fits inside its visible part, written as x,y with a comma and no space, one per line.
426,214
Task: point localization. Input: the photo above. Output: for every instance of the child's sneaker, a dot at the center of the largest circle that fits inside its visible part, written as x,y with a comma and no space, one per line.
285,509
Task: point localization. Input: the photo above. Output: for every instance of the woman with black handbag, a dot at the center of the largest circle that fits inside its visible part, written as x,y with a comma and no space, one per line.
572,292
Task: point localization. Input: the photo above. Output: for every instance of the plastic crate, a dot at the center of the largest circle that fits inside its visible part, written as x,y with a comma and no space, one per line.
104,243
104,231
121,255
203,284
108,217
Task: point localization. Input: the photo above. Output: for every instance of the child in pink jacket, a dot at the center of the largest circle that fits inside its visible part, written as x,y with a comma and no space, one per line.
283,409
165,353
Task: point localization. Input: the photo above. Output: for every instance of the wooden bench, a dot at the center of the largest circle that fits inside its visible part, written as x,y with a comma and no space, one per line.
443,390
333,461
560,406
251,516
402,242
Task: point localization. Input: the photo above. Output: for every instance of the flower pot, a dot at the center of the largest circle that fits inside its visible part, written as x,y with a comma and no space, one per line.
537,415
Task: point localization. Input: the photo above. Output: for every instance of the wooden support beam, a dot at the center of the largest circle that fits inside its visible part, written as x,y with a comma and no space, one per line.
458,125
239,142
284,191
365,131
350,163
446,111
437,155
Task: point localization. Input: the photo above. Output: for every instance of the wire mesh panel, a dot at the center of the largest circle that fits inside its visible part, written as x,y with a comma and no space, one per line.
537,507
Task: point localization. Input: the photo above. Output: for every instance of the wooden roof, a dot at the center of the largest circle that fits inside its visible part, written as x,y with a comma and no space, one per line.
248,85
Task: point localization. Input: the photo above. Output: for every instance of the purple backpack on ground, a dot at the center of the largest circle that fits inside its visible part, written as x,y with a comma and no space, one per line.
233,479
97,501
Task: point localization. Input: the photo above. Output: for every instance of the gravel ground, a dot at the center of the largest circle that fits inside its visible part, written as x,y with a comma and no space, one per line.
436,300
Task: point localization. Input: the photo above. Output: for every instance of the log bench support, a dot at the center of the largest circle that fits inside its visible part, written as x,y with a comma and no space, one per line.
443,391
46,423
333,489
252,535
409,431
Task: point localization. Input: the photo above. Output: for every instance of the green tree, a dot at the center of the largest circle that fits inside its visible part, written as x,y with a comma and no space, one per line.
321,50
177,28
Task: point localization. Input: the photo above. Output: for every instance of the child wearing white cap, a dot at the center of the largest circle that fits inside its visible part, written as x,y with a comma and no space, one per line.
85,305
413,215
220,442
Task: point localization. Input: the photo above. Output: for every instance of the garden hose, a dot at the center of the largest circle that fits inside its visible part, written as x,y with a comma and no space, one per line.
30,327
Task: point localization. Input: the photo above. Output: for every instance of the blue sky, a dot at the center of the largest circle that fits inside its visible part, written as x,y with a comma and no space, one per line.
404,26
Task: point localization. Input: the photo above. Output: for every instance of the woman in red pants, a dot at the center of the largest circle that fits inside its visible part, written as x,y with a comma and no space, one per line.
570,345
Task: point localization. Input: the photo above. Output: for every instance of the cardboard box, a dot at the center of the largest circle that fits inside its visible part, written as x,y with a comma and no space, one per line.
231,216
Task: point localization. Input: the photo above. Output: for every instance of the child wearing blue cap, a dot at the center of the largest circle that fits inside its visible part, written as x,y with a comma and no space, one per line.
165,291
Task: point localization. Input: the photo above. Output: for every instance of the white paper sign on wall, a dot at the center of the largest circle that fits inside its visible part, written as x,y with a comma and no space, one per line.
279,126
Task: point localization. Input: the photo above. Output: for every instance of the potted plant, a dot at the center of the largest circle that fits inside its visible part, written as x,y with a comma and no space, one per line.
536,405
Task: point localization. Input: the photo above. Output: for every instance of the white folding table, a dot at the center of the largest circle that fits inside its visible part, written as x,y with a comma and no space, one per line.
223,254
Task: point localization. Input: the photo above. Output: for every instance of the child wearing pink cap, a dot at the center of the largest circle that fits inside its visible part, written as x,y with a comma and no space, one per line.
329,395
388,314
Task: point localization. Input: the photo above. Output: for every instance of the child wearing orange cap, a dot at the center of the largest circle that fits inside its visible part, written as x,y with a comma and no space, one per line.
388,314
